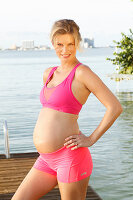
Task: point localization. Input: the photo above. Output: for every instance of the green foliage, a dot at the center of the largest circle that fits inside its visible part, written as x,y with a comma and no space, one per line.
124,58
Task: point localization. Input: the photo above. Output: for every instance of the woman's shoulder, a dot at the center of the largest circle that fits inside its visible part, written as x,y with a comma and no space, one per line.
87,76
83,69
46,73
47,70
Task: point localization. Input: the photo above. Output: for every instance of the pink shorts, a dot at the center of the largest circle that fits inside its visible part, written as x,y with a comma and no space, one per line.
68,165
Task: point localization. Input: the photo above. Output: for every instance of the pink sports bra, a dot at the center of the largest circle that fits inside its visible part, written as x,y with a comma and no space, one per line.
61,97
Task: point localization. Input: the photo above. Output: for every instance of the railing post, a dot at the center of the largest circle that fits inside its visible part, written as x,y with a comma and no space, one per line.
5,129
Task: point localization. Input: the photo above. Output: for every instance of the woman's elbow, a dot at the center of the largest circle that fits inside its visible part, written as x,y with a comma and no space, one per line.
116,108
120,109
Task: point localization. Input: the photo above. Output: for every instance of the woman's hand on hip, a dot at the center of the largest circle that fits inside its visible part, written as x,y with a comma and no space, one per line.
76,141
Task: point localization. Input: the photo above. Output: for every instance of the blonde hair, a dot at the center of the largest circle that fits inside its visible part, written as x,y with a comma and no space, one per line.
66,26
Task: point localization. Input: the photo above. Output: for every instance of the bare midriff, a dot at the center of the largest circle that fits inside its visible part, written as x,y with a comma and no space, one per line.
51,129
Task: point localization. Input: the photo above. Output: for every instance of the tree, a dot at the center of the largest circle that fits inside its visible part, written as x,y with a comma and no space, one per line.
124,58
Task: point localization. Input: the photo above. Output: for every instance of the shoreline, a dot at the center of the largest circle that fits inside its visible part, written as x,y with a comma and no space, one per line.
119,77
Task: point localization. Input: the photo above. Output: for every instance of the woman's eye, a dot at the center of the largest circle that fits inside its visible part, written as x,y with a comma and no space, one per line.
71,44
59,44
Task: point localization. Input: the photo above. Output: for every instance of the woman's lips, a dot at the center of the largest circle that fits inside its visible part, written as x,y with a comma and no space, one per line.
65,55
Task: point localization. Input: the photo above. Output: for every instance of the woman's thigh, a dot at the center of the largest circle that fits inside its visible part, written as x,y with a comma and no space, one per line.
75,190
35,185
73,178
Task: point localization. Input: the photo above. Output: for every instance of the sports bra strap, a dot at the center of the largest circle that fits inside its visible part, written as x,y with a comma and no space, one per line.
50,74
71,75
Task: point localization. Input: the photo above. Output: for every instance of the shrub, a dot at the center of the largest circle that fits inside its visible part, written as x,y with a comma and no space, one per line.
124,58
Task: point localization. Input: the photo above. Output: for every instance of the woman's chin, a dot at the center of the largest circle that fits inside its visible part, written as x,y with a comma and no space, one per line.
66,58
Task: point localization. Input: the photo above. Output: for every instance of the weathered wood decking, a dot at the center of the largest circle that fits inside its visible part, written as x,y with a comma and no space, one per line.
13,171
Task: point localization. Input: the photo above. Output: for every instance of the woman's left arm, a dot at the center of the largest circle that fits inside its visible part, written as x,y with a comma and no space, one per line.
106,97
94,84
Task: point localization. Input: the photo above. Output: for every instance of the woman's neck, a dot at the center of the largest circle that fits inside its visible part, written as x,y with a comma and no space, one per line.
65,65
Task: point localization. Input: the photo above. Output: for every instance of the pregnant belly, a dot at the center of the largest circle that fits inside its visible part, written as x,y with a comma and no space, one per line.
52,128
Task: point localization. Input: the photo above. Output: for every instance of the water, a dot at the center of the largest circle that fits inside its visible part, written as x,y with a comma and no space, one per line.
21,79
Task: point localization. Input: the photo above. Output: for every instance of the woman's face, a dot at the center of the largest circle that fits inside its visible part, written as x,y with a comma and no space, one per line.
64,46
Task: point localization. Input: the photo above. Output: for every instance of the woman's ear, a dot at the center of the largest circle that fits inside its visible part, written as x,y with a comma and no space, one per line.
53,43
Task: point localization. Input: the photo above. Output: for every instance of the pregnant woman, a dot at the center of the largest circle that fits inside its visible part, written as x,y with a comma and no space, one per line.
64,157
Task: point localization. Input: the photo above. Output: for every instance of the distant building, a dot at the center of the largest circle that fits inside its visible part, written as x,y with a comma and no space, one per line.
13,47
43,47
28,44
88,42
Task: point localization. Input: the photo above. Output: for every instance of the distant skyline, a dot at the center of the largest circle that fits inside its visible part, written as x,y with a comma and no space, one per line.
32,20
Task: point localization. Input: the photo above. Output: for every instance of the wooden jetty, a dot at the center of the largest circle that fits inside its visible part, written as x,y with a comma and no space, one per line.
14,169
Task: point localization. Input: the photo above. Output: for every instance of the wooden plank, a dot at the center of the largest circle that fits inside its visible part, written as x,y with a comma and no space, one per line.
21,155
13,171
55,194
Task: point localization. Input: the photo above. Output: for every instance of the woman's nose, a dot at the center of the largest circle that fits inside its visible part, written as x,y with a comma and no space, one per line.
64,49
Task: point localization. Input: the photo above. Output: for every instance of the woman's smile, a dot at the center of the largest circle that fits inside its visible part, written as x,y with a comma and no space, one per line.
65,55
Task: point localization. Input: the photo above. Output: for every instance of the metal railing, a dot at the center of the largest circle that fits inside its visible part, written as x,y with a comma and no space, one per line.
5,130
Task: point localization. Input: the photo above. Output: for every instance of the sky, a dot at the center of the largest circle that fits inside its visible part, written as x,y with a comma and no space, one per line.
104,20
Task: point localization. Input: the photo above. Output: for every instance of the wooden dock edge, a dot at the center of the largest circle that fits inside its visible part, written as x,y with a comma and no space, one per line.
55,195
